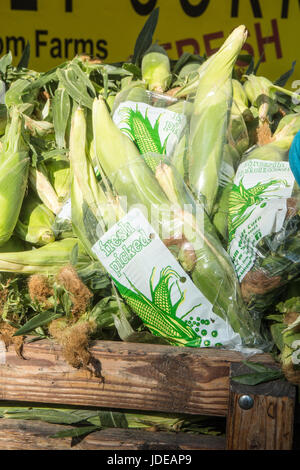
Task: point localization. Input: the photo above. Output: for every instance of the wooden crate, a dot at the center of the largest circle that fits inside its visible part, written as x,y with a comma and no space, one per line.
148,378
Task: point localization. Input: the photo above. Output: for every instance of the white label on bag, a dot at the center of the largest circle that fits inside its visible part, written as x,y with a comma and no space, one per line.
257,208
155,130
155,285
66,211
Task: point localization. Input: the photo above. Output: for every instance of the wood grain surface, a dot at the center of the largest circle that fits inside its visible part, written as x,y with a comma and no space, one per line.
133,376
35,435
268,425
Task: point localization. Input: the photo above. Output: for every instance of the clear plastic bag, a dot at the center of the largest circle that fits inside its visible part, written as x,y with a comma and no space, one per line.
159,245
264,222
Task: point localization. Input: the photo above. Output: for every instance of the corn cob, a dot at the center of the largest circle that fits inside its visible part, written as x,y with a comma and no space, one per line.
209,122
47,259
109,140
92,211
35,222
14,165
39,181
212,271
58,170
156,69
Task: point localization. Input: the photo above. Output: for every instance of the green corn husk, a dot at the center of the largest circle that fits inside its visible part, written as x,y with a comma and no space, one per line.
101,419
240,98
277,254
35,222
12,245
39,181
282,139
3,118
187,73
286,334
47,259
156,69
58,170
88,200
42,129
231,158
240,116
61,107
211,270
14,165
109,140
260,94
210,119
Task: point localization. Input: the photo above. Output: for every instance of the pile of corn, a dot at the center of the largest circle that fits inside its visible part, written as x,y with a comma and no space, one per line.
60,146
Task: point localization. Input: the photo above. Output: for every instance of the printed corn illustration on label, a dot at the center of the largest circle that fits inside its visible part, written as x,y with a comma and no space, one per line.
154,130
157,288
257,207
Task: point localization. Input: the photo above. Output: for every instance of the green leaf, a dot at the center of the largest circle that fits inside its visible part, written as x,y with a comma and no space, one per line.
77,85
281,81
258,63
145,38
113,419
274,317
24,61
74,255
48,415
257,378
5,62
277,334
184,59
263,374
246,58
61,106
38,320
134,69
258,367
75,432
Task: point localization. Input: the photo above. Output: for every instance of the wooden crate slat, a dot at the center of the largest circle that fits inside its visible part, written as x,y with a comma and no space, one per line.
34,435
268,425
135,376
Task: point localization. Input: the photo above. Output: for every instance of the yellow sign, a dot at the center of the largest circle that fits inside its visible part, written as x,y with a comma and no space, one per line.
59,29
